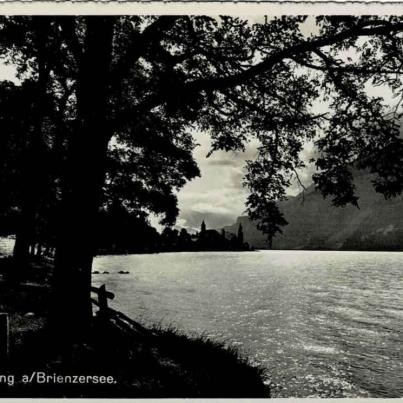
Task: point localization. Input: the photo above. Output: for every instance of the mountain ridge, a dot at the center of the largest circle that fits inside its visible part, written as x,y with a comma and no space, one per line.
315,224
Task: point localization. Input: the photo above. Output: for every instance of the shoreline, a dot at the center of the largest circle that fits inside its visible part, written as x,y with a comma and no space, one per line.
179,251
257,250
147,362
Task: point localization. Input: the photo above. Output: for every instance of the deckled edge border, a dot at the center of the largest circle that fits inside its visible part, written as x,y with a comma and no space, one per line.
245,2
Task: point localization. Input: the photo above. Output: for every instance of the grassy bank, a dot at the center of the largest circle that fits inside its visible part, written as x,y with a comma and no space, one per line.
149,362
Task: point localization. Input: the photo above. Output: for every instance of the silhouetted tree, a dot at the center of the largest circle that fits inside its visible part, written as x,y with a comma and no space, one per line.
23,183
121,231
31,37
184,240
169,239
153,78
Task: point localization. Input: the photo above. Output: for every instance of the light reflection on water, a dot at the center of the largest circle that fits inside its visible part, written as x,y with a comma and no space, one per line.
323,323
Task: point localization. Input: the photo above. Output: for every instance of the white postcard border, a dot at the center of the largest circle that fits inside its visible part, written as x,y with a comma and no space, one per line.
171,7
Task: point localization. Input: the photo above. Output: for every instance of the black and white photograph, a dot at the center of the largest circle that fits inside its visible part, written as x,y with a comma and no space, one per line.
201,206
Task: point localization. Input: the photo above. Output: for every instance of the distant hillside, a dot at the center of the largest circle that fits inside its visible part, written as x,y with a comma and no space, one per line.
316,224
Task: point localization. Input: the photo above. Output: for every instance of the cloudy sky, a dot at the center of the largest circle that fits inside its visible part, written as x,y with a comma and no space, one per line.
217,196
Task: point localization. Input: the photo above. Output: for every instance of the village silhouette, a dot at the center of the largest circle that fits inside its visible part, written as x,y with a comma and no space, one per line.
204,240
173,240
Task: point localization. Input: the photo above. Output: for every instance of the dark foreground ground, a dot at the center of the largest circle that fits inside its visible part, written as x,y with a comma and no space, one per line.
142,362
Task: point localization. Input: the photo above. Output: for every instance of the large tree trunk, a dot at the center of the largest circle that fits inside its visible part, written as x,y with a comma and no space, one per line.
82,187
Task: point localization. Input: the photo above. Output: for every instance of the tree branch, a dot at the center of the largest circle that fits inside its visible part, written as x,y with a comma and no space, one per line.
67,24
220,83
139,44
288,53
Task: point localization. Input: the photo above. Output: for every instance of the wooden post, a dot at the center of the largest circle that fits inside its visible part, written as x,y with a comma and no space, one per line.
4,337
103,300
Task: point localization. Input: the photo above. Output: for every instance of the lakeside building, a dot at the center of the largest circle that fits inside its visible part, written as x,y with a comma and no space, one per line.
211,239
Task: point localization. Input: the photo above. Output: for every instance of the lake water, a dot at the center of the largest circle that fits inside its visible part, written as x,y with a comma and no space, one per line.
324,324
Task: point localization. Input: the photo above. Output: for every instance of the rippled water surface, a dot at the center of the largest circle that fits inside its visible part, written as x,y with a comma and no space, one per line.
323,323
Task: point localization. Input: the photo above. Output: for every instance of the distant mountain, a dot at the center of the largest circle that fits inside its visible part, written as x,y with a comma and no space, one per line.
315,224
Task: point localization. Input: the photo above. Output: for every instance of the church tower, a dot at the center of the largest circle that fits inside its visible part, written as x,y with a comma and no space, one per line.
240,234
203,227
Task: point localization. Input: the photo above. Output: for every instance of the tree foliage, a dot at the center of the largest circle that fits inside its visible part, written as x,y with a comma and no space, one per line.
240,81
